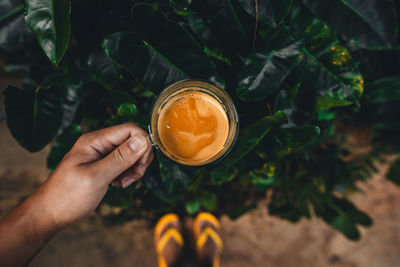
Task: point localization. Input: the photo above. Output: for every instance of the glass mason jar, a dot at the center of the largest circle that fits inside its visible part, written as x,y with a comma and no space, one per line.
176,92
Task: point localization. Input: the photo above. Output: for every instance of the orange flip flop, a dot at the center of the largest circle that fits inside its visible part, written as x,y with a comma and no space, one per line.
168,240
208,238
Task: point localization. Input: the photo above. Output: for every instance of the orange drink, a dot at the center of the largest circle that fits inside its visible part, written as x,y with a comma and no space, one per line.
193,122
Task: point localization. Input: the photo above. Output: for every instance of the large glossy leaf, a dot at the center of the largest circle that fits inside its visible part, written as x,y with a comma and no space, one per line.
264,71
250,137
219,14
281,142
171,41
270,12
104,70
150,69
372,23
175,177
49,20
20,52
72,87
33,116
329,67
153,181
213,45
62,144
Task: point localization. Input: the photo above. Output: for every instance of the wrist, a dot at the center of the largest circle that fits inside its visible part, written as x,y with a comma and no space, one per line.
41,210
25,230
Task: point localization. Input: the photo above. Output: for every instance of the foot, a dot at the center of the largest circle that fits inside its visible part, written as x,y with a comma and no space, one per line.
168,240
208,239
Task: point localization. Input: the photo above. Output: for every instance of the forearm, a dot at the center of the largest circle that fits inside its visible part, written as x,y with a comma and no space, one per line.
25,230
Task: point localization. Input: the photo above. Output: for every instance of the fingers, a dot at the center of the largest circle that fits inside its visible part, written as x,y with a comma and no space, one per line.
135,172
95,145
129,176
147,158
120,159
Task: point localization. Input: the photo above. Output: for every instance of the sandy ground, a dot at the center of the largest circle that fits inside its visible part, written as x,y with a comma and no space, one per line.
255,239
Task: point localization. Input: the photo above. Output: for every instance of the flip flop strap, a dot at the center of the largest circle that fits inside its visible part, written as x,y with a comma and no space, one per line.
209,232
171,233
168,218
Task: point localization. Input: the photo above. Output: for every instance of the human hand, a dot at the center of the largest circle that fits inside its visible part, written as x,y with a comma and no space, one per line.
119,155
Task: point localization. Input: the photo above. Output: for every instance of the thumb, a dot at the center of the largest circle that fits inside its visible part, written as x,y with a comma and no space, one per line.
121,158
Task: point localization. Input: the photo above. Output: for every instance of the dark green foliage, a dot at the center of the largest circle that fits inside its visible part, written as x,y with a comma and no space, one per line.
34,115
62,144
50,22
270,12
152,70
265,71
297,70
370,23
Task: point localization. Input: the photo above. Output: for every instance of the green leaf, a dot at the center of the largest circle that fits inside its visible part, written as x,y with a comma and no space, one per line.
127,112
328,66
394,172
104,70
344,225
180,6
248,138
213,45
154,183
354,215
343,216
171,41
120,197
192,206
33,116
383,91
150,69
372,23
281,142
49,20
270,12
174,176
62,144
226,18
209,200
265,71
327,102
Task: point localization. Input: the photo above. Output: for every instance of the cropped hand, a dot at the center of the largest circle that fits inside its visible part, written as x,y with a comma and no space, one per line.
119,155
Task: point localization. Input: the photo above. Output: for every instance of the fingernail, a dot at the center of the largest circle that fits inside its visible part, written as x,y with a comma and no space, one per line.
127,182
137,143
